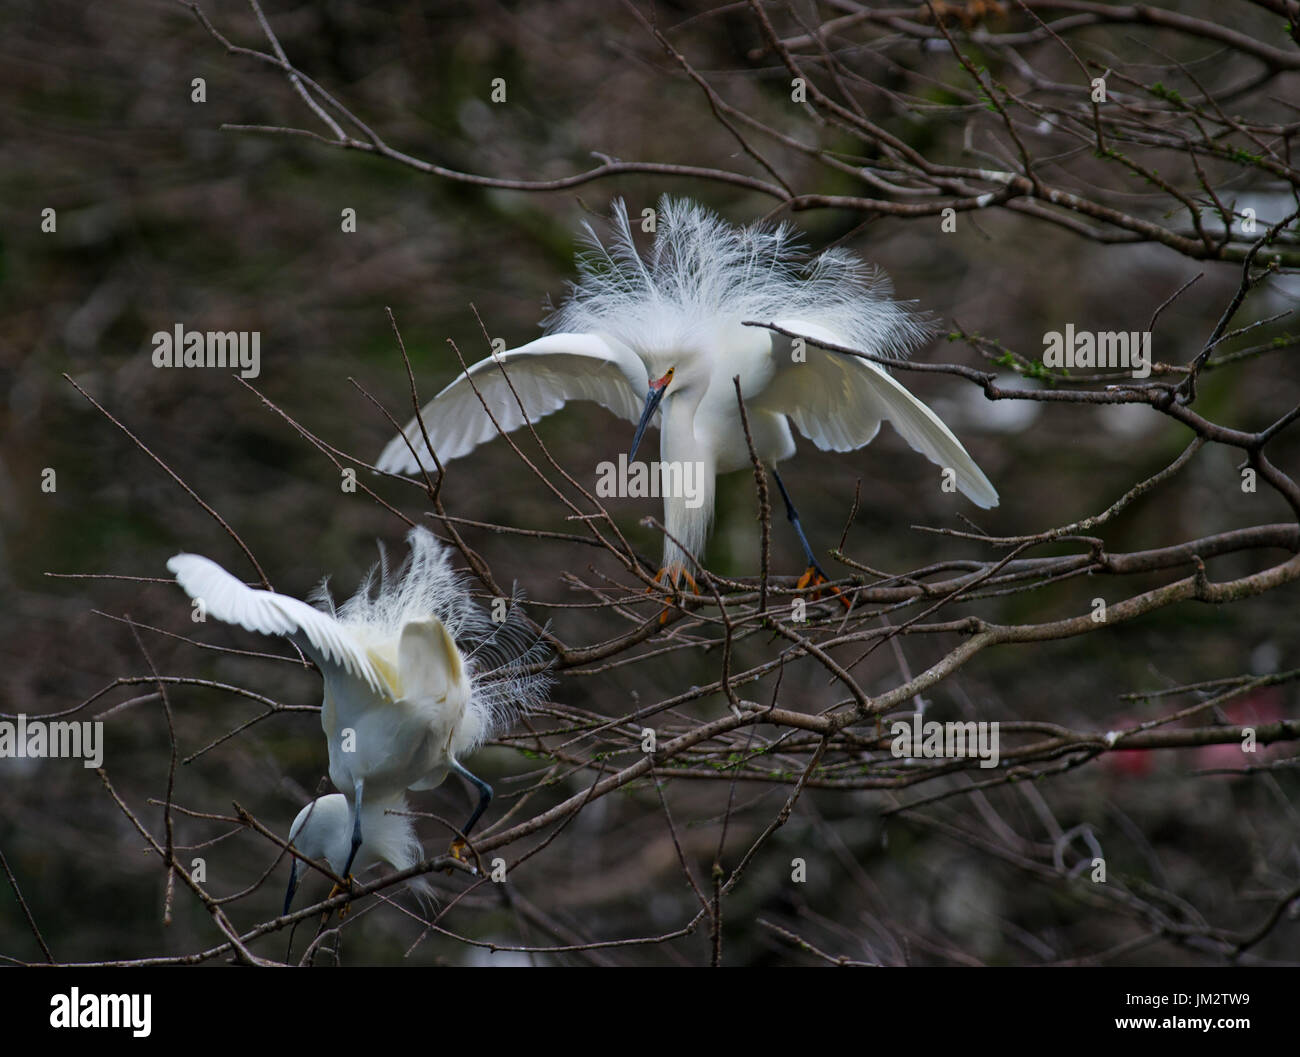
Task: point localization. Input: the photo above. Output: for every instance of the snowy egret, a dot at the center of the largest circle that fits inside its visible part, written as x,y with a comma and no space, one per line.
402,703
323,829
667,330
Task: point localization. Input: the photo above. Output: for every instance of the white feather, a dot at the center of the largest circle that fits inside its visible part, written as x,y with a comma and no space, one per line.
703,275
329,643
542,376
838,402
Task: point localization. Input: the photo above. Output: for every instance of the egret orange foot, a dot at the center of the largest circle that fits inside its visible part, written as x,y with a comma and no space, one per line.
458,851
346,907
968,12
672,576
814,577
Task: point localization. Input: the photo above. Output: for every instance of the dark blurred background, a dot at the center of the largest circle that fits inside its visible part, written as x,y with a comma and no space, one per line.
163,218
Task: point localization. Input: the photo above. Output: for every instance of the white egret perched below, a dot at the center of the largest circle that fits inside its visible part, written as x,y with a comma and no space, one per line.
323,829
638,333
403,704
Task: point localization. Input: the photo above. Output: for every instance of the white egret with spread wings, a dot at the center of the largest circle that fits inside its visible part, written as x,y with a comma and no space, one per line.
667,330
416,675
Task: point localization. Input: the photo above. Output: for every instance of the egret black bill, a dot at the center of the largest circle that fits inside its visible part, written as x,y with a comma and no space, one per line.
652,400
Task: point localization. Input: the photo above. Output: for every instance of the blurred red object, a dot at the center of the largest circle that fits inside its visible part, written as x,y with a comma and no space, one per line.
1261,706
1129,763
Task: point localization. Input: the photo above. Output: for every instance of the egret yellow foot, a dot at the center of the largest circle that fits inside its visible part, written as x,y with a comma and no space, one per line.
814,577
968,12
458,851
345,908
672,574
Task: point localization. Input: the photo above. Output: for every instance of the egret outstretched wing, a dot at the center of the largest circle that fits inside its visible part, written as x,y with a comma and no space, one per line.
839,401
546,374
228,599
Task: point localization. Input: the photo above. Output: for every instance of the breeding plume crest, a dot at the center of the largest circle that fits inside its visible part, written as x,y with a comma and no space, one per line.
500,658
702,274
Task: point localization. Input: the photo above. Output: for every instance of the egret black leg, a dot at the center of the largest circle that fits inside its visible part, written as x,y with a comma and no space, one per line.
815,574
294,869
793,515
484,794
356,831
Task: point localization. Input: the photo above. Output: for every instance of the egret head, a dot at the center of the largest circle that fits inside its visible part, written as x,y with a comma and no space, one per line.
322,829
655,395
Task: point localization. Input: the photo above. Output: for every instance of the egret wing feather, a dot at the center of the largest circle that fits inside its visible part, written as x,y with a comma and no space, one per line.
228,599
839,401
546,374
